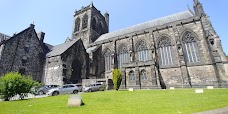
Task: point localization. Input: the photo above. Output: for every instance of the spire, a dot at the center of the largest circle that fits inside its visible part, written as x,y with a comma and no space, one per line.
198,7
196,2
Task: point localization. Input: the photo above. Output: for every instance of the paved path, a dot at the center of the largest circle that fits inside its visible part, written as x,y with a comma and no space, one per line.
216,111
30,96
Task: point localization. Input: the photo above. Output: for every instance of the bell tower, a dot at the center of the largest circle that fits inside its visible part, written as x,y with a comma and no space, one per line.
89,24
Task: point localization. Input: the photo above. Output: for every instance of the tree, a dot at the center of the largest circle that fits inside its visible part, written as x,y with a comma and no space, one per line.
116,78
12,84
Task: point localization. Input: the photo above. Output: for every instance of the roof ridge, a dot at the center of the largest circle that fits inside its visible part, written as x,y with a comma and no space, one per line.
147,22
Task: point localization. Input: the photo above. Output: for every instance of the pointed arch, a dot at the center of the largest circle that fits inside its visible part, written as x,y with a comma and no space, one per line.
85,21
108,59
123,55
132,76
190,47
143,74
164,46
142,50
100,27
94,23
77,24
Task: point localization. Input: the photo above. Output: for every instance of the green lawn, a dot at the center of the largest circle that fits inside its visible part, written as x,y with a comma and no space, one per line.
124,102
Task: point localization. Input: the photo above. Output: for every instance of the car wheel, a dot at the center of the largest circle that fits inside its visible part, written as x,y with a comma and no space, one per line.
89,90
75,91
55,93
40,92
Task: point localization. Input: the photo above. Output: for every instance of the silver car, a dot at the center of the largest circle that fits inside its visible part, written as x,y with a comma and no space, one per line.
92,87
65,89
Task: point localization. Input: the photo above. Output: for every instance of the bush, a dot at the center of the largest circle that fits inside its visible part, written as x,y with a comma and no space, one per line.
116,78
12,84
102,88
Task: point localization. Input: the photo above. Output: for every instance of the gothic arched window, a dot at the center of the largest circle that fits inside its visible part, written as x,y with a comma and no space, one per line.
190,48
100,28
84,21
108,59
165,51
123,56
142,51
132,75
143,75
94,23
77,25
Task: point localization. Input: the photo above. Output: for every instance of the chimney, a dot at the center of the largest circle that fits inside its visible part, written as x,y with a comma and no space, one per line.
41,36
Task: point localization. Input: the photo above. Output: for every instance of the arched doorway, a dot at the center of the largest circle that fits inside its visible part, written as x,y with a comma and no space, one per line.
76,71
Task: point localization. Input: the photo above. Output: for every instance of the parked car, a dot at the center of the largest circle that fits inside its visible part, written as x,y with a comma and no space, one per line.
65,89
92,87
43,89
79,86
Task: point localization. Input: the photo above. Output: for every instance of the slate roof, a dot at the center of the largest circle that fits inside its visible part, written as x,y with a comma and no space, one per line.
91,49
59,49
150,24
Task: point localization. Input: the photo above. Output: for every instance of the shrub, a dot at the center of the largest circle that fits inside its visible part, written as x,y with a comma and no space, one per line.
102,88
116,78
12,84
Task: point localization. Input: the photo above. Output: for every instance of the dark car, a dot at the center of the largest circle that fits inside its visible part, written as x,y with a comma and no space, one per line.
44,89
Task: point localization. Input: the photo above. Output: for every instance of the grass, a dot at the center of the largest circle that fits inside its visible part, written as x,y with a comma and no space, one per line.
124,102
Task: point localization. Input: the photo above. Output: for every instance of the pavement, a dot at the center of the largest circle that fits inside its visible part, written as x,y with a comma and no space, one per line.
216,111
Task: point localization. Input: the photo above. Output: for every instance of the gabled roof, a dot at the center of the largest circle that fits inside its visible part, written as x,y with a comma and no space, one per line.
59,49
150,24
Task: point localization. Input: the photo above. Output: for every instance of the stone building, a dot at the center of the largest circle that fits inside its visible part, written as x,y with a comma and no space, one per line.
24,53
181,50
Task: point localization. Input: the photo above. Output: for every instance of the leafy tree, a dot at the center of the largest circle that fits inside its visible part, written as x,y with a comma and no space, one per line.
12,84
116,78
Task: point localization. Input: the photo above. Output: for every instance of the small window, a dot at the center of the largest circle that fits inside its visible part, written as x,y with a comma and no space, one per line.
132,75
24,61
26,49
65,86
22,71
143,75
64,72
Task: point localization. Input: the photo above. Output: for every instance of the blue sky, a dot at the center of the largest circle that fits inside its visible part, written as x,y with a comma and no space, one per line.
55,17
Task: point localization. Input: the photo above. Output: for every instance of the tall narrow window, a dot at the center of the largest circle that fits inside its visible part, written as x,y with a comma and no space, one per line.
94,23
165,51
190,48
142,51
143,75
100,28
123,56
84,21
108,60
132,75
77,25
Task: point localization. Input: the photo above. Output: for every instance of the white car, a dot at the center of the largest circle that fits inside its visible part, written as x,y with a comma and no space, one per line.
92,87
65,89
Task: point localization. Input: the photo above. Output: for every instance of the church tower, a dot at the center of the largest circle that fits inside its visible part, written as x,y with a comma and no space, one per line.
214,43
89,24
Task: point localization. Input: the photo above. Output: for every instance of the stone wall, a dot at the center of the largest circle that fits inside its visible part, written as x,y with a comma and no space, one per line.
53,71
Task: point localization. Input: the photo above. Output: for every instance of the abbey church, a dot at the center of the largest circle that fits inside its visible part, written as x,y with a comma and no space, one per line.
178,50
